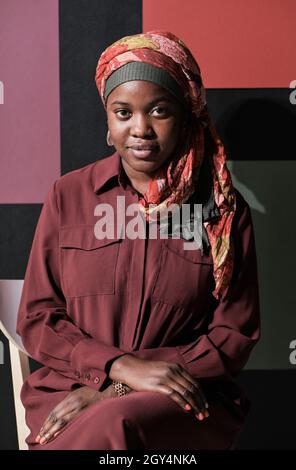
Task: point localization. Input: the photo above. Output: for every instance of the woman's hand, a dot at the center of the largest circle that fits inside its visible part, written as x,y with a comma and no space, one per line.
164,377
68,408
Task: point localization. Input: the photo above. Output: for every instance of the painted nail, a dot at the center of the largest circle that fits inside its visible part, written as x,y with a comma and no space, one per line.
187,407
200,416
42,440
37,438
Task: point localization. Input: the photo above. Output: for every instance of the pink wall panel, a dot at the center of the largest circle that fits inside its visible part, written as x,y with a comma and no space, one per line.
238,43
30,113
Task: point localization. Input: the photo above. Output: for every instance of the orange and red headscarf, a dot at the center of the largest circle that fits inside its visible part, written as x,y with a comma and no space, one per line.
177,181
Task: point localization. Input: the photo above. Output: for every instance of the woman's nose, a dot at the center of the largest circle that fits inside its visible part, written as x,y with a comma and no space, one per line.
141,126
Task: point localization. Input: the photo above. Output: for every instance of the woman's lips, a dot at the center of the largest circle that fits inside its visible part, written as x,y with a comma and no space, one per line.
144,153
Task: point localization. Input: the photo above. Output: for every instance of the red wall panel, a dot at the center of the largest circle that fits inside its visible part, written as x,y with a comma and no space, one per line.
237,43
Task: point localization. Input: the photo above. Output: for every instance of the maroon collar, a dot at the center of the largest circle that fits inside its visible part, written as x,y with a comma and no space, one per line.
107,169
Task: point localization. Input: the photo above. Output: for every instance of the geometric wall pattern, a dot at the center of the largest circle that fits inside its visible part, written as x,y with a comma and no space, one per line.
52,121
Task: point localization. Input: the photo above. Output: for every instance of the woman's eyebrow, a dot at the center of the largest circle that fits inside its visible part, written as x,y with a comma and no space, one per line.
156,100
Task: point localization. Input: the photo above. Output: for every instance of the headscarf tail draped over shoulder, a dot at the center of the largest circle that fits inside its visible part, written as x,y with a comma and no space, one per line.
176,181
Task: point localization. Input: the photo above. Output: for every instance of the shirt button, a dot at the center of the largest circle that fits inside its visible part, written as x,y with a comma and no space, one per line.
77,373
87,376
96,380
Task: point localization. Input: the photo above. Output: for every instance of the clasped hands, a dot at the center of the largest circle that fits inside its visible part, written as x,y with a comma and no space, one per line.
138,375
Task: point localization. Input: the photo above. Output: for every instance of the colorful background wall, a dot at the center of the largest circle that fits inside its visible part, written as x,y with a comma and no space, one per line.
52,121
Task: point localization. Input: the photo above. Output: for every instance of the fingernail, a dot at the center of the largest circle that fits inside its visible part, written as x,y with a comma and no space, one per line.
42,440
207,405
37,438
200,416
187,407
206,414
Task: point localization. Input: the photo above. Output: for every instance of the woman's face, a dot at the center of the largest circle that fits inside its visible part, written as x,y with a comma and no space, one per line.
145,115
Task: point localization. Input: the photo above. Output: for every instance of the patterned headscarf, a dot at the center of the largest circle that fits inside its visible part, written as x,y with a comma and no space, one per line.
177,180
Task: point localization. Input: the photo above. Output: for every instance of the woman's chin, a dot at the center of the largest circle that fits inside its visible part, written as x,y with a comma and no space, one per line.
144,164
148,167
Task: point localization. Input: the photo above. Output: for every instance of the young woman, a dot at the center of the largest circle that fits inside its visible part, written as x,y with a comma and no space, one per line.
140,338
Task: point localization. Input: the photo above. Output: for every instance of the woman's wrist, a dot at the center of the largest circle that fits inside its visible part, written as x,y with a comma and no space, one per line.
120,366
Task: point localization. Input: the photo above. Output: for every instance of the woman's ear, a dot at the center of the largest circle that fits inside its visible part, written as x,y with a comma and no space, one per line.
108,139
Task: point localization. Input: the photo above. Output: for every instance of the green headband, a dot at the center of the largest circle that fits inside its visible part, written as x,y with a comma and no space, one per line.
143,71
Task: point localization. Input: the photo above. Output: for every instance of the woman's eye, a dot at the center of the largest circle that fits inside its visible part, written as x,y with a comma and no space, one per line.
161,110
121,111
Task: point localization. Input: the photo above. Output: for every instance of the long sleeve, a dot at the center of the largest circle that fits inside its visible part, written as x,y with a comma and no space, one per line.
233,328
44,324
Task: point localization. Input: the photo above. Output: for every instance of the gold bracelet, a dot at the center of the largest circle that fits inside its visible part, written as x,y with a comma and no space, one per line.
119,388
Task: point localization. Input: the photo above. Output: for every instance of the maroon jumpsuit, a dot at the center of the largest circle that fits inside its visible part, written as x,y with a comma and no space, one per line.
87,301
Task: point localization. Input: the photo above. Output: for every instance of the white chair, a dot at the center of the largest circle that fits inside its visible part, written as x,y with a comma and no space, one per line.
10,294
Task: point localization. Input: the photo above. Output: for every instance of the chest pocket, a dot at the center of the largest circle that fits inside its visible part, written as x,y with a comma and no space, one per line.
184,276
88,264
